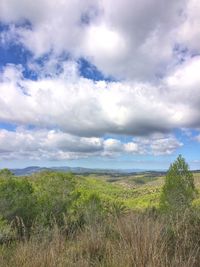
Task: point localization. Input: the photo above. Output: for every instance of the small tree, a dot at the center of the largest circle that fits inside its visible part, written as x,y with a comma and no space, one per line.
179,189
6,173
17,199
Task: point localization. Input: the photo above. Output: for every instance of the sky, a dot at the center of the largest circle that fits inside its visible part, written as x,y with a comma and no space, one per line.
99,84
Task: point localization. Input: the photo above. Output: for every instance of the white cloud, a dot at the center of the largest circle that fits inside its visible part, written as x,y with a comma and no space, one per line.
55,145
144,37
81,106
87,108
133,40
113,145
159,144
183,91
54,25
46,144
132,147
189,33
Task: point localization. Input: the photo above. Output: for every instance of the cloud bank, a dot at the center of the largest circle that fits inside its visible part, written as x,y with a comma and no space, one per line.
56,145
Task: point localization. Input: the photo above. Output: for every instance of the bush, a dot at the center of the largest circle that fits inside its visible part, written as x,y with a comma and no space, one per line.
17,199
55,193
7,234
5,173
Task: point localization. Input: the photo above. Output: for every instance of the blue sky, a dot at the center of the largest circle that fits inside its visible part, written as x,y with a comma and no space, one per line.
83,84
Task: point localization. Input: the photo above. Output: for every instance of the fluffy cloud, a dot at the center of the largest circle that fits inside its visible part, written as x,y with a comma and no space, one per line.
46,144
138,30
189,33
135,39
158,144
87,108
56,145
83,107
51,25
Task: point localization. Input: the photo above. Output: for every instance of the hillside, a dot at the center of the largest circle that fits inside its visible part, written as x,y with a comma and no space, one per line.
61,219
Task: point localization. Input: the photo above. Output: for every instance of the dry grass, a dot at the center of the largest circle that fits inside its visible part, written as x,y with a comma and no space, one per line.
139,240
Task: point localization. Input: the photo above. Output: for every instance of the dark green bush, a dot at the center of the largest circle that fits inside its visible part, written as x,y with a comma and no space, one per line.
17,199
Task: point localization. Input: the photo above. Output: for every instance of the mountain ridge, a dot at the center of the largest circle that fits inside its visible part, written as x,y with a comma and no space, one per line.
78,170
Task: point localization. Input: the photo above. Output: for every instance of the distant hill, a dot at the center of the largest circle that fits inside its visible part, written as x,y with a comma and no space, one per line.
81,170
76,170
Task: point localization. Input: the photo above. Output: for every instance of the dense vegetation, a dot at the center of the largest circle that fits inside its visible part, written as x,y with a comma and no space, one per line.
59,219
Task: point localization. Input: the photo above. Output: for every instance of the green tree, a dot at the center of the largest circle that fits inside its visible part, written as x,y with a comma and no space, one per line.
55,193
17,199
5,173
179,189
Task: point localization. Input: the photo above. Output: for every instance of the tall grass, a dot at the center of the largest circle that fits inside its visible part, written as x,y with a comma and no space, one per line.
132,239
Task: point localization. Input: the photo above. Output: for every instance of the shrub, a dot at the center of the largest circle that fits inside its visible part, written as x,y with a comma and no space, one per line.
17,199
7,234
5,173
55,193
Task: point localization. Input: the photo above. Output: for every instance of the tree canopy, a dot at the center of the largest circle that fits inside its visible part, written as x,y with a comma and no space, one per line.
179,189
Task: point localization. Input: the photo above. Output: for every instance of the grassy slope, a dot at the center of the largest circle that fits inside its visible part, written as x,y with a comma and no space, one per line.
136,192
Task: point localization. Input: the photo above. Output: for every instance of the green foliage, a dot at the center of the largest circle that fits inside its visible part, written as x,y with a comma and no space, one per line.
87,209
95,202
144,179
55,193
44,198
144,200
5,173
179,190
48,198
17,199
